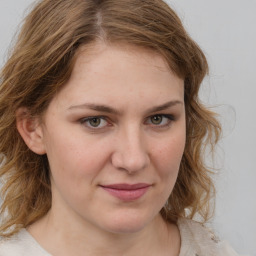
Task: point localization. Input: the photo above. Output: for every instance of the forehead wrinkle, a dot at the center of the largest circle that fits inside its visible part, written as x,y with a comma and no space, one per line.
96,107
111,110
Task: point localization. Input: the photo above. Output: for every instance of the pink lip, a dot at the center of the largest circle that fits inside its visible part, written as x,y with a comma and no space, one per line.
127,192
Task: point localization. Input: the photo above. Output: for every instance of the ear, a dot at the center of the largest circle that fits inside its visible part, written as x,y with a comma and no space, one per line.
30,130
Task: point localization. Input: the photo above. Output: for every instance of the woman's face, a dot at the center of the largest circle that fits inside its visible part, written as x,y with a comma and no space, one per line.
114,137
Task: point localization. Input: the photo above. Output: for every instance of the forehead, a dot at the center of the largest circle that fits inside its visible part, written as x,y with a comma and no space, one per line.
116,72
98,54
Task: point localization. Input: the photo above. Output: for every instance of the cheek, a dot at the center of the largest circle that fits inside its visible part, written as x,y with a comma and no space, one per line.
74,158
168,155
167,158
75,167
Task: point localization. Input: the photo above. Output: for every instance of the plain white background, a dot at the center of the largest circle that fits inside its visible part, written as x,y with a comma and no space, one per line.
225,30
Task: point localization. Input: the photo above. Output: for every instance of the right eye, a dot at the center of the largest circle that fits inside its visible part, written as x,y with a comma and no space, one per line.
94,122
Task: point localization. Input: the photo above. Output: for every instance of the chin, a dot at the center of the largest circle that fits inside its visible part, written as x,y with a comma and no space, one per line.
127,223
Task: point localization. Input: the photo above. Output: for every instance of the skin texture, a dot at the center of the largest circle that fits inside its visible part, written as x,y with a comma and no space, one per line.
129,141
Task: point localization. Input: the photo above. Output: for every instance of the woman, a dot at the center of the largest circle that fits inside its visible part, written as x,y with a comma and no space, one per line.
102,134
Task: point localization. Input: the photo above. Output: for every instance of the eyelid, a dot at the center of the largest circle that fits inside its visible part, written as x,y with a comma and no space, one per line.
86,119
170,118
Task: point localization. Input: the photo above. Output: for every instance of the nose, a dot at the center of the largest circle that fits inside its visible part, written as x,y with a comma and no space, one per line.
130,152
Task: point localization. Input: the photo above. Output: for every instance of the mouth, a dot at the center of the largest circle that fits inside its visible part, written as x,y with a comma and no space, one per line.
127,192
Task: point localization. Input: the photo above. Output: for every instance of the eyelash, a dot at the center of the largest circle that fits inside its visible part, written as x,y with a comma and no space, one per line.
88,119
168,119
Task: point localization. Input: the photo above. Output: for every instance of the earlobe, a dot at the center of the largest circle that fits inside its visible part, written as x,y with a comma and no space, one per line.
30,130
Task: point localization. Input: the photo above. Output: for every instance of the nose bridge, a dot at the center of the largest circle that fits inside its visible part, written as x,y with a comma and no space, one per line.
131,152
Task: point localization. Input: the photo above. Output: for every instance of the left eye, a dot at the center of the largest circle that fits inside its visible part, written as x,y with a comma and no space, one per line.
159,120
94,122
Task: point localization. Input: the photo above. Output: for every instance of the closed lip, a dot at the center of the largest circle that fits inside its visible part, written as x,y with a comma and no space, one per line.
127,192
124,186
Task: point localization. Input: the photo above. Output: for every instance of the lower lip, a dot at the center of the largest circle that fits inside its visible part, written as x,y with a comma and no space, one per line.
127,195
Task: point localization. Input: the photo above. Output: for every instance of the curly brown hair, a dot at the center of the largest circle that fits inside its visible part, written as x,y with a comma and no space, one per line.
41,63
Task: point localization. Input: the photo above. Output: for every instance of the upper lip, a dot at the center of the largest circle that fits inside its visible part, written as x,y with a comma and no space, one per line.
124,186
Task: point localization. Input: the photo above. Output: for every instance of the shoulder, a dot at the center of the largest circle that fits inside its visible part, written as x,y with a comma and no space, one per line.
20,244
198,240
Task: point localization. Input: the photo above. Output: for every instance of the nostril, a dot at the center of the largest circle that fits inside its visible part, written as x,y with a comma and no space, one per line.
131,162
130,150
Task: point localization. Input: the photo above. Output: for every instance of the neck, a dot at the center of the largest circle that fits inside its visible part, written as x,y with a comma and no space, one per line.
66,238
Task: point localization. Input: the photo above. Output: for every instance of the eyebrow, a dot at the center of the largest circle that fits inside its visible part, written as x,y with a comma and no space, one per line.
110,110
165,106
96,107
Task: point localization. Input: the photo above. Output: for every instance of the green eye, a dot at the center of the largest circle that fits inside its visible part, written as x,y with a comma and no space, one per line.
156,119
94,122
160,120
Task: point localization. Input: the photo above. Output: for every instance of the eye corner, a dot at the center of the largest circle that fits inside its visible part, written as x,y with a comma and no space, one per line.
95,122
160,120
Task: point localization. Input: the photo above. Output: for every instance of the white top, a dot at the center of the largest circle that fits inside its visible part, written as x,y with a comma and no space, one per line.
196,240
